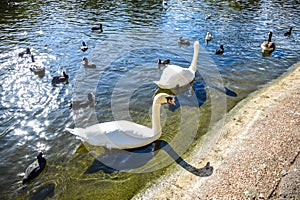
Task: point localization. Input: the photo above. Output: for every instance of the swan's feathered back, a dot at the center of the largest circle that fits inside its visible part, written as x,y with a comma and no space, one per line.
175,76
124,134
116,134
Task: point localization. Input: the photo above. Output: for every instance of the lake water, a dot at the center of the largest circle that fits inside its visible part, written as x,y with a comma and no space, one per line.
34,114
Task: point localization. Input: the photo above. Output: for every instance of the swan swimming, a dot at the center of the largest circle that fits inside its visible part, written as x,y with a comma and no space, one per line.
174,76
125,134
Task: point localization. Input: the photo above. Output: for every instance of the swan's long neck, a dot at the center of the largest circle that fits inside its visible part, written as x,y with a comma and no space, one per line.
156,127
193,65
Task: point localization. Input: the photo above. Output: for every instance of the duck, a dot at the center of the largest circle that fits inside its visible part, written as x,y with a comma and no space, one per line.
124,134
288,33
84,47
268,46
84,104
60,79
208,37
34,169
26,52
174,76
163,62
208,16
87,64
184,42
220,51
97,28
37,69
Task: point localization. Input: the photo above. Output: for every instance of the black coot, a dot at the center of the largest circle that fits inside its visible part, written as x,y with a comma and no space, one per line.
35,168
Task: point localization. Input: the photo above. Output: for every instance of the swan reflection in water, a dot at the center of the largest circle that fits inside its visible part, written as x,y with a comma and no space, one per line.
183,95
116,160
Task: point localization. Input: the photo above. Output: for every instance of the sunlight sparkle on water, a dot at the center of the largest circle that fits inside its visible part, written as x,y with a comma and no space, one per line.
36,125
20,132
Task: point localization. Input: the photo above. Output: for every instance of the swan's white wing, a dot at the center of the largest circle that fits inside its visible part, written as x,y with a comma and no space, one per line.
116,134
174,76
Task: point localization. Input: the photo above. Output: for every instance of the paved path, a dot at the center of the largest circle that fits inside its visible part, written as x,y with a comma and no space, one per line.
257,156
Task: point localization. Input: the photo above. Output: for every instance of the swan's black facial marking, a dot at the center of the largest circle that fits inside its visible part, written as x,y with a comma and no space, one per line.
170,100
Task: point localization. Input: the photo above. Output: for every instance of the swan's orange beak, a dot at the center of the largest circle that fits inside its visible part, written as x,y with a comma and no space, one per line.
170,101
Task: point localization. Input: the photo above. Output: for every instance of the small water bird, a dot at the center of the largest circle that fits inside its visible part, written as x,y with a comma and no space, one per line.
98,28
36,68
26,52
84,104
182,41
84,47
208,37
87,64
174,76
288,33
268,47
163,62
35,168
124,134
60,79
208,16
220,51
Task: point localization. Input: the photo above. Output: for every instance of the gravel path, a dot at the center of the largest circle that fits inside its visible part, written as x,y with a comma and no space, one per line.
257,157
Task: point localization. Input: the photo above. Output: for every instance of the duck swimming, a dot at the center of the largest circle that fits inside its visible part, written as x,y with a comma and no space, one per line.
60,79
220,51
208,16
84,47
184,42
288,33
26,52
163,62
87,64
97,28
34,169
208,37
84,104
268,47
37,69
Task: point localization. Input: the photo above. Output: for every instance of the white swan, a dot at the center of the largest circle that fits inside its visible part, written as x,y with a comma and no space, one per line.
125,134
175,76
